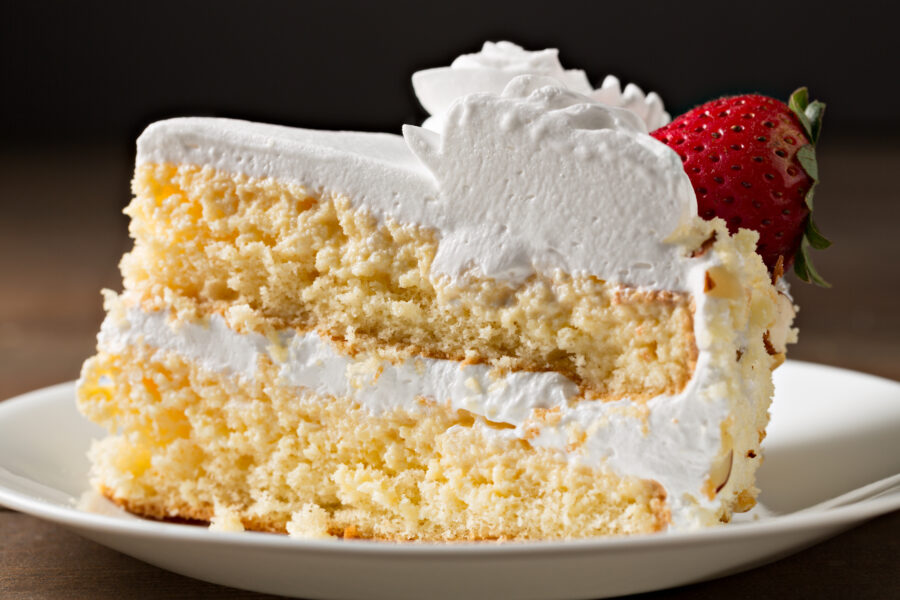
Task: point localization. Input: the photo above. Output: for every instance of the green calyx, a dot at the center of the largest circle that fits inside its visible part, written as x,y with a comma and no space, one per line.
810,116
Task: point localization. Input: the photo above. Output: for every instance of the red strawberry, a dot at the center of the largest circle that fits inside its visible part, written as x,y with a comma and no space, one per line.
752,162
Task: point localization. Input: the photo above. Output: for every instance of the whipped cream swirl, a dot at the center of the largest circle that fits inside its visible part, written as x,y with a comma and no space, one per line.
491,69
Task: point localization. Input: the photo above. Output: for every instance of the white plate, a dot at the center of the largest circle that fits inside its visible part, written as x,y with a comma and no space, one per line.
832,430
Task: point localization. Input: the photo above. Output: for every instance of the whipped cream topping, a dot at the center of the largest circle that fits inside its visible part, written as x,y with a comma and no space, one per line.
648,107
630,440
542,178
491,69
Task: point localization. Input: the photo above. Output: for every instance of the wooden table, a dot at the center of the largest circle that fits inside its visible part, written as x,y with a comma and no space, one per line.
61,235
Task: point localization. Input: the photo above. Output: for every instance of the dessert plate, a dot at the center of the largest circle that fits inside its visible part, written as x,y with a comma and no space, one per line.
832,431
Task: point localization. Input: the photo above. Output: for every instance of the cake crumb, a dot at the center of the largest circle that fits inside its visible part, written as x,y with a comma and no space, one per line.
226,520
310,522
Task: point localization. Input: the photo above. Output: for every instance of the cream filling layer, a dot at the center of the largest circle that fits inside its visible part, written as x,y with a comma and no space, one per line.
673,439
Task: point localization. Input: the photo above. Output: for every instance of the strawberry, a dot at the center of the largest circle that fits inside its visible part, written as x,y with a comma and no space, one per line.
752,162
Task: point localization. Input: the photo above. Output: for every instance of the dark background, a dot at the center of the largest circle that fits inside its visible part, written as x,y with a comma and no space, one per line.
80,80
87,70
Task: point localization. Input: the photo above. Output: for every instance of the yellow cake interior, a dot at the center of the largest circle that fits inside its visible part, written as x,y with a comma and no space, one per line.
303,262
269,256
198,446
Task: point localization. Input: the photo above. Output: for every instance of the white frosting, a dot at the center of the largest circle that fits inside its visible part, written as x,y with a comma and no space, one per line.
619,436
498,63
535,179
541,178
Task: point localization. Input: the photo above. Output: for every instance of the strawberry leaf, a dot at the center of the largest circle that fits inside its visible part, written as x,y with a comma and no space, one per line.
815,237
800,266
798,103
804,268
815,112
810,115
799,99
807,157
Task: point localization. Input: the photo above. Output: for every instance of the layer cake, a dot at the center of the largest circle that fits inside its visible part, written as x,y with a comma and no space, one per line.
509,323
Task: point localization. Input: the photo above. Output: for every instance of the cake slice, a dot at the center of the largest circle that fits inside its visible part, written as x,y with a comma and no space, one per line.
511,324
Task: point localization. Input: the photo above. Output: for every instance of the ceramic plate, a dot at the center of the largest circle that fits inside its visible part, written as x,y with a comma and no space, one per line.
832,431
